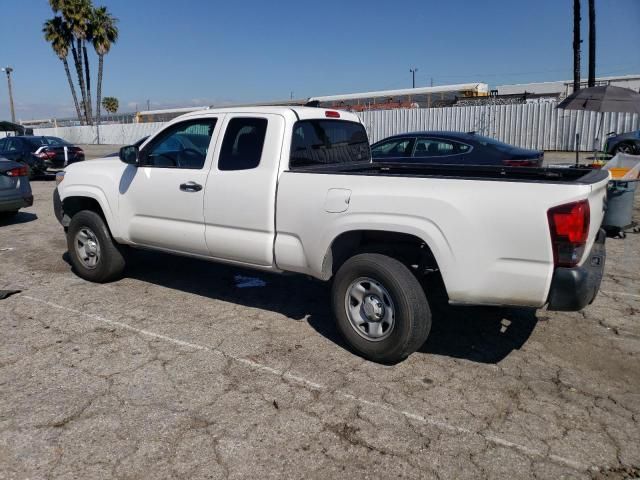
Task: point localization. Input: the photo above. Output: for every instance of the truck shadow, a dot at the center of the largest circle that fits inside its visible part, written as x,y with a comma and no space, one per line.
479,334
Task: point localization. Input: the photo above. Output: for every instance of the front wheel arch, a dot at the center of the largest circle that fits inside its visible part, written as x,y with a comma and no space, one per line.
72,205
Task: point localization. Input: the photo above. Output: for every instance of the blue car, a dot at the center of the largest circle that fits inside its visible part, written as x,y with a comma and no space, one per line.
624,143
15,190
453,148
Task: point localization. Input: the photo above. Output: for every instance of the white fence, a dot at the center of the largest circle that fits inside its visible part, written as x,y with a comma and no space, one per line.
115,134
535,125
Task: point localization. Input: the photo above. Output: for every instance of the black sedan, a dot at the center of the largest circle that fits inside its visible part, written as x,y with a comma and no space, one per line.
453,148
40,153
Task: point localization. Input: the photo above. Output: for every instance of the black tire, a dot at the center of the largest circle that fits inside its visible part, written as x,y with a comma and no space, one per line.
110,262
412,319
626,147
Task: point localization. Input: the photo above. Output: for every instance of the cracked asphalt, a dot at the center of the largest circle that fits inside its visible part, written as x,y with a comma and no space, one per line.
177,372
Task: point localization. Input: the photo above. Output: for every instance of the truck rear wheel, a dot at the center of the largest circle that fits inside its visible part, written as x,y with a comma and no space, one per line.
380,308
94,254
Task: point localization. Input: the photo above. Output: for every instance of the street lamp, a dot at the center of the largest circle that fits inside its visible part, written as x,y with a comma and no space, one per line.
8,71
413,74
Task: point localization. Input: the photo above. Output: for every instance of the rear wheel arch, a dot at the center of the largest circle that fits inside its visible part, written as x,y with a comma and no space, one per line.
407,248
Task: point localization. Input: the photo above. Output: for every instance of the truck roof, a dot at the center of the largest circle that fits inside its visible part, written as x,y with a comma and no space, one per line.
302,113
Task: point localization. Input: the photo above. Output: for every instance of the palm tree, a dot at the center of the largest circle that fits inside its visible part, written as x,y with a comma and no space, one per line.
576,45
110,104
592,44
57,32
76,14
104,35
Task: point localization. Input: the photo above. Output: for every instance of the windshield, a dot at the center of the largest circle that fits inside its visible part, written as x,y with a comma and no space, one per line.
324,142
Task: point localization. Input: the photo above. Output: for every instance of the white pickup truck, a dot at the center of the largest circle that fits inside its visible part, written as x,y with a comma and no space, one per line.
294,189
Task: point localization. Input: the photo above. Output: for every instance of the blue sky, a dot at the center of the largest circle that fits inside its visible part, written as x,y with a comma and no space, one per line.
192,52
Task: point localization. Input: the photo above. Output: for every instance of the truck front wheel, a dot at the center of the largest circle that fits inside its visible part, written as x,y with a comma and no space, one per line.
93,253
380,308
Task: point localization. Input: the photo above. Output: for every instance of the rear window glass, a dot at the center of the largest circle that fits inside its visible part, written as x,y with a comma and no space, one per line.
325,142
36,141
492,142
56,142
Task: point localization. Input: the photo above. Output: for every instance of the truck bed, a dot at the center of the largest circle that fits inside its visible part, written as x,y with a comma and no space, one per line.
486,226
582,176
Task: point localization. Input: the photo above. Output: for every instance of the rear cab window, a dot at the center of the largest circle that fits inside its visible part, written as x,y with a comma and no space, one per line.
328,142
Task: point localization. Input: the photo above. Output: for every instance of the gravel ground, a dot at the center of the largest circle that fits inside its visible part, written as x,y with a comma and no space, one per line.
185,369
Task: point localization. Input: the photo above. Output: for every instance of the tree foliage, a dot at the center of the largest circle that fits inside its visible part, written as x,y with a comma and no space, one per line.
75,24
110,104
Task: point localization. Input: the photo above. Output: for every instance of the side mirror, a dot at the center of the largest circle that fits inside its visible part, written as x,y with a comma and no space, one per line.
130,154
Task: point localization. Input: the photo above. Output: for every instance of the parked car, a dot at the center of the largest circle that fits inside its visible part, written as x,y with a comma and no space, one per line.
453,148
294,190
623,143
15,190
40,153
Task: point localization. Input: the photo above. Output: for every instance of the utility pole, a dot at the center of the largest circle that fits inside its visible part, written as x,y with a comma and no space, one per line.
8,71
592,44
148,106
576,45
413,75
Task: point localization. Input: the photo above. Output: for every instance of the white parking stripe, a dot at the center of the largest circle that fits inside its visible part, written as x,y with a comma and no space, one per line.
624,294
316,386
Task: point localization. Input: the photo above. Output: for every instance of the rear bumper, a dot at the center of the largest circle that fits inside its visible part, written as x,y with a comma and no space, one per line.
11,205
572,289
59,164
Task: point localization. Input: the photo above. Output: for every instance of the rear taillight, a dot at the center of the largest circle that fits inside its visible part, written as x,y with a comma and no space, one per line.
331,114
46,154
569,227
18,172
534,162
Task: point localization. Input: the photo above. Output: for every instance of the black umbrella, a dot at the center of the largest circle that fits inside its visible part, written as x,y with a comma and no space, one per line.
603,99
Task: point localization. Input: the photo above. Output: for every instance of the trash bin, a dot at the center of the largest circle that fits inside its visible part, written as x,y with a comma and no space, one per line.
620,196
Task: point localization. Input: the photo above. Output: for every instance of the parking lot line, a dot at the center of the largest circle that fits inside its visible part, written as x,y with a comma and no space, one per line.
533,452
624,294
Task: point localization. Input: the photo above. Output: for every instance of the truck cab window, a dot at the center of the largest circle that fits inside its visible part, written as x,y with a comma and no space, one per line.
242,144
325,142
183,145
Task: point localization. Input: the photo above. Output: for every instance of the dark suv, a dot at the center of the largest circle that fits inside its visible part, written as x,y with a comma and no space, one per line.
40,153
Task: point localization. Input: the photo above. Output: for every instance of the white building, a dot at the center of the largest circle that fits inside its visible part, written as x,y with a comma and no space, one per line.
565,87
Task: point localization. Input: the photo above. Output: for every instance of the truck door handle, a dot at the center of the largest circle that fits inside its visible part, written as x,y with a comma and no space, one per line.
190,187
